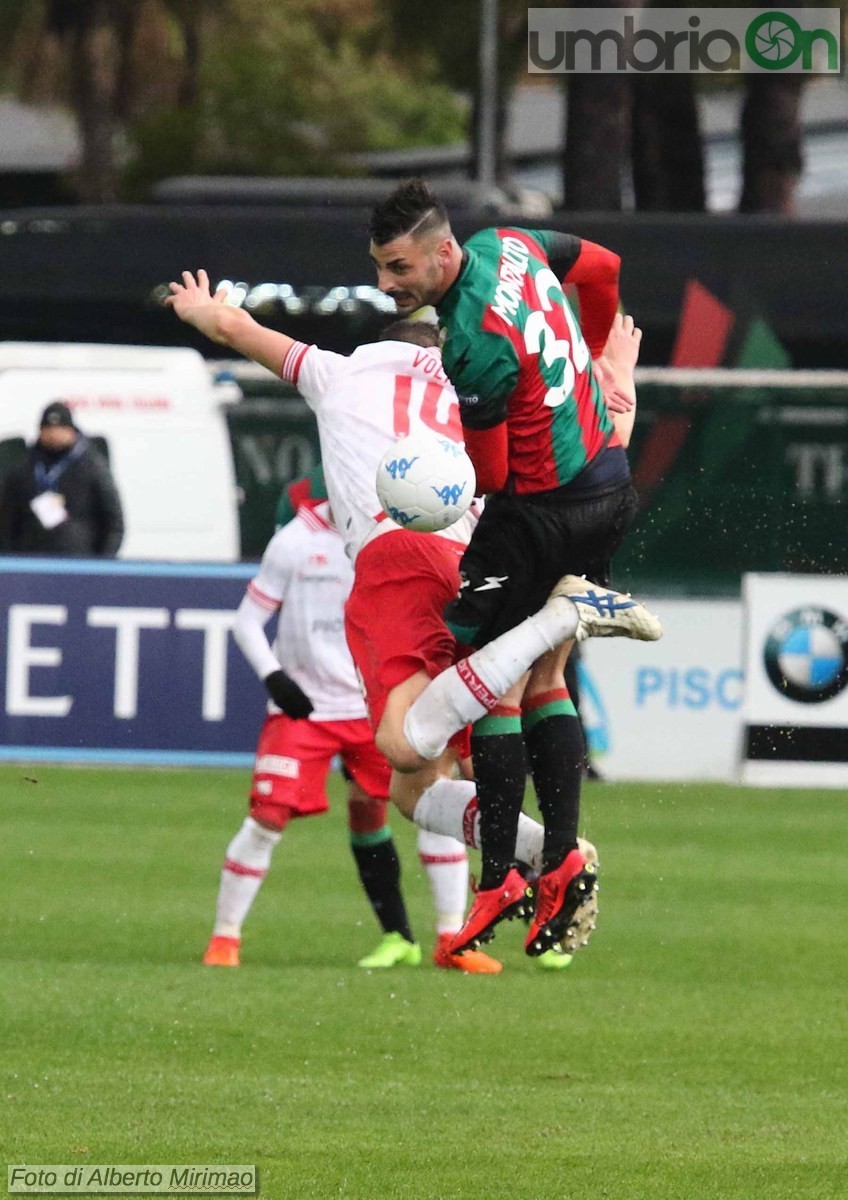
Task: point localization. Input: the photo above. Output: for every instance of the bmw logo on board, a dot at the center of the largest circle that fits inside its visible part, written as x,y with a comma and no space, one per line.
806,654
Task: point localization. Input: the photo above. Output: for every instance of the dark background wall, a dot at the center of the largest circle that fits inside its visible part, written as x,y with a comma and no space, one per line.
83,274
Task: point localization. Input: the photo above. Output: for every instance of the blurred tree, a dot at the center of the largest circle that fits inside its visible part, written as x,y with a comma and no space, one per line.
597,135
111,61
772,159
666,146
159,86
449,34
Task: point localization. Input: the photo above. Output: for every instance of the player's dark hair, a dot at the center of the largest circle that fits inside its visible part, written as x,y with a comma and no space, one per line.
410,208
419,333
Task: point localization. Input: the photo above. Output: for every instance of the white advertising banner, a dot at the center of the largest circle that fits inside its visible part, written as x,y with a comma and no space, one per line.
668,710
796,698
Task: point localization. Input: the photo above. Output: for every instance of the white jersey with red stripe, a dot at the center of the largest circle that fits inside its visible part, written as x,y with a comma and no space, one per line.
363,403
306,575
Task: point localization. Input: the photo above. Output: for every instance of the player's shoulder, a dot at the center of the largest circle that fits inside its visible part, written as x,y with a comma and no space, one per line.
310,519
286,538
483,241
310,527
492,239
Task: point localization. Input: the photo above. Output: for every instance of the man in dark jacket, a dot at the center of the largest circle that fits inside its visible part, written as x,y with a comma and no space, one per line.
63,499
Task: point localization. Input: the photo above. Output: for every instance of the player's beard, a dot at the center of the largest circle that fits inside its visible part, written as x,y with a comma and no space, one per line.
429,291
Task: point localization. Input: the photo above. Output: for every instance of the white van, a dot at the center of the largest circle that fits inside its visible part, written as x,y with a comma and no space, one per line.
159,419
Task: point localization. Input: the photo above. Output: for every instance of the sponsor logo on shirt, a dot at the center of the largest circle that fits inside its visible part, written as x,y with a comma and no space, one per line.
327,625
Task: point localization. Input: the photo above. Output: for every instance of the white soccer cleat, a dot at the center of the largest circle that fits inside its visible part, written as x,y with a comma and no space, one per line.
604,613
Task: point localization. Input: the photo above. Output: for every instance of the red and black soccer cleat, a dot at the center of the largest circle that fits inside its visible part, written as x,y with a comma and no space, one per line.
512,898
566,906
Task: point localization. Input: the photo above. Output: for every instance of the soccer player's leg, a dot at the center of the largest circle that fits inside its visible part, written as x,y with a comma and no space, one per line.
434,800
401,614
566,904
554,739
593,530
556,753
373,848
492,604
399,641
289,779
490,612
607,613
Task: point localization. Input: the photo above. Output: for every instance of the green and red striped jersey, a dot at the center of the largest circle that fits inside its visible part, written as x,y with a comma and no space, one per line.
515,353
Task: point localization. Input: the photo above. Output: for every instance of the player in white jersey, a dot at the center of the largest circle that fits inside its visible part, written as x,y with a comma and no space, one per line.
315,712
403,580
364,402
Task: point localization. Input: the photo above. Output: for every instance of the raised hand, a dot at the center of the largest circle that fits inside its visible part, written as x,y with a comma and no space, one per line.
194,303
622,348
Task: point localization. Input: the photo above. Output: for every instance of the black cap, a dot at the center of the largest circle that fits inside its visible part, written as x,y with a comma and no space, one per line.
57,414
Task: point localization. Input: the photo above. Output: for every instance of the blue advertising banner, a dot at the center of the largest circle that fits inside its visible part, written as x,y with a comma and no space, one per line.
125,662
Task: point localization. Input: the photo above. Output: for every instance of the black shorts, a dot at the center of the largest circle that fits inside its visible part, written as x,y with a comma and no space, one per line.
523,545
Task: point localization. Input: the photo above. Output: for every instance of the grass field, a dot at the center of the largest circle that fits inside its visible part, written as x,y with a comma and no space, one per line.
696,1050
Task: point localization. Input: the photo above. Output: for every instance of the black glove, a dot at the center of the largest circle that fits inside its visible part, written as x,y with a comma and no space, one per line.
288,696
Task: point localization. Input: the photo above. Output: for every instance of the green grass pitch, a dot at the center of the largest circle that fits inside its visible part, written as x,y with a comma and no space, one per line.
695,1051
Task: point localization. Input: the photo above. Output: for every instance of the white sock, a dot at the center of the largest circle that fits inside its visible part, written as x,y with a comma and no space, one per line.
463,693
446,863
449,806
246,864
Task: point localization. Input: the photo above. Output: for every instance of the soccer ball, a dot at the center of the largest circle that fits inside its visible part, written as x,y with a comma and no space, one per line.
425,482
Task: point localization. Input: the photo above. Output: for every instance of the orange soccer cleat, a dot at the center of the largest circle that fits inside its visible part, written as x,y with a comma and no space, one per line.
222,952
473,962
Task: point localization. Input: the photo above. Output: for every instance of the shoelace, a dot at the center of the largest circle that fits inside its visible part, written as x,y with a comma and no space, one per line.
545,904
547,897
474,884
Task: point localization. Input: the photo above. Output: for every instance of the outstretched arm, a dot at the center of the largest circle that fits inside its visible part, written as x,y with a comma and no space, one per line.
233,327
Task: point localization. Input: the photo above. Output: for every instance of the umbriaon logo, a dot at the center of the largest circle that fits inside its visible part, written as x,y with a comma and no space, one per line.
684,41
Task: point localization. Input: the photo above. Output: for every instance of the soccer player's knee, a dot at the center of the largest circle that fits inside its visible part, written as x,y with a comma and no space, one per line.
402,797
270,816
366,816
397,751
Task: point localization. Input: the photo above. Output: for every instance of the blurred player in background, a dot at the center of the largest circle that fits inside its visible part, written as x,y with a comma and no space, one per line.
403,580
537,427
315,712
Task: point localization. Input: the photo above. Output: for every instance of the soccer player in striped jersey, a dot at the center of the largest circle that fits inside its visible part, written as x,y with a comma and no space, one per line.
544,443
404,653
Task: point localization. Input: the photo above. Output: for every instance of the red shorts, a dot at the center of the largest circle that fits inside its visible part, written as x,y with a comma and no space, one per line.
293,759
393,616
